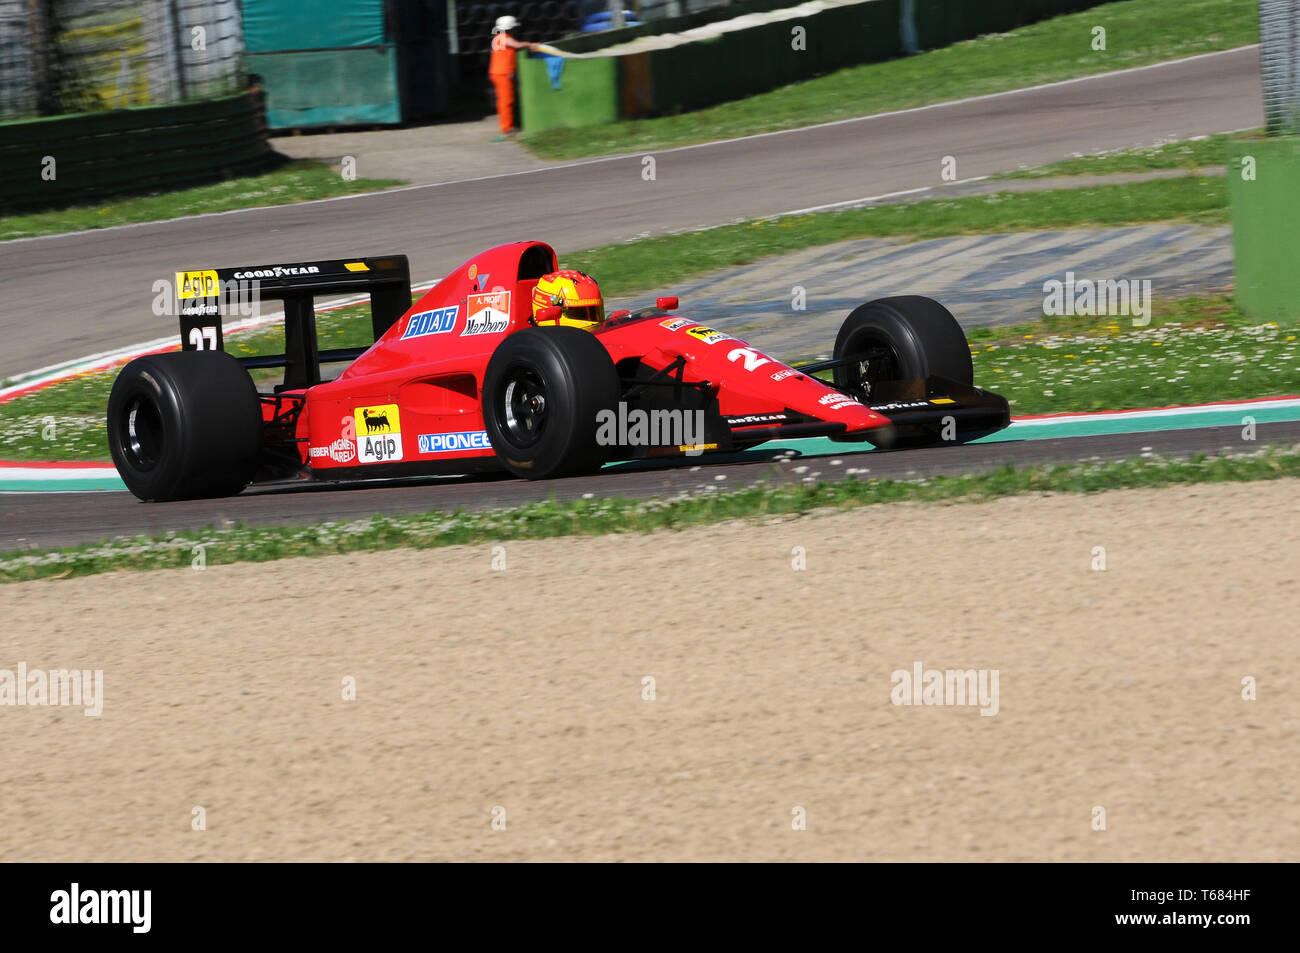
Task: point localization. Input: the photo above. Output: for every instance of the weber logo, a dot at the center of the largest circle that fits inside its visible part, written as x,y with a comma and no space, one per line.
443,442
340,451
838,401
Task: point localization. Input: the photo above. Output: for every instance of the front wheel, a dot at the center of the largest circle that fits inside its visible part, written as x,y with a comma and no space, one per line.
903,338
184,425
543,392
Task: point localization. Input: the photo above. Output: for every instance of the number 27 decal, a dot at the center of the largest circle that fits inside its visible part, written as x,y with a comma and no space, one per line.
203,339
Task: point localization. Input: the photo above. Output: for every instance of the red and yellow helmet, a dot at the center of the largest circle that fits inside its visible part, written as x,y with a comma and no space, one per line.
575,294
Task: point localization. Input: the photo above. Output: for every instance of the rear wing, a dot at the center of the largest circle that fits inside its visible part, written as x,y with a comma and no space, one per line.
203,296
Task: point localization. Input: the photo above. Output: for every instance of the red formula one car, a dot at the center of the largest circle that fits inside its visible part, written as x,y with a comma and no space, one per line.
469,379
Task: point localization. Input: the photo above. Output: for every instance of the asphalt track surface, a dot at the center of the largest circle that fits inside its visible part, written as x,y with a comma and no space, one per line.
39,520
66,296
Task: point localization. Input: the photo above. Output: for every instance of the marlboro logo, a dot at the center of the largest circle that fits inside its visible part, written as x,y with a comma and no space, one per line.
487,313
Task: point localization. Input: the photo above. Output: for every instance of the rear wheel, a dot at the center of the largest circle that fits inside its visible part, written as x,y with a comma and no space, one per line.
542,392
907,337
184,426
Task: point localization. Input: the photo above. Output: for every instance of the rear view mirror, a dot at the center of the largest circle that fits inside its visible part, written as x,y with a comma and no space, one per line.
666,304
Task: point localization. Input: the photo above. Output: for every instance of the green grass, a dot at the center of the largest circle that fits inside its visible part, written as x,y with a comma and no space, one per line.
293,182
596,517
1195,350
1138,32
1186,154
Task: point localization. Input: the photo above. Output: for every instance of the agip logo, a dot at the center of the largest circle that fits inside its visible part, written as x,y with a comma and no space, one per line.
196,284
707,335
379,433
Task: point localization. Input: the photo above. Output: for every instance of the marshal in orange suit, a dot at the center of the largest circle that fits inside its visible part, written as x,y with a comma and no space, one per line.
501,71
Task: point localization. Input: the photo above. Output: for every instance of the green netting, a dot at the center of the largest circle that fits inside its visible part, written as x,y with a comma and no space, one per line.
328,87
275,25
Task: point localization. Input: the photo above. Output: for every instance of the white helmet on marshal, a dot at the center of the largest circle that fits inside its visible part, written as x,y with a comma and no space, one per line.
505,24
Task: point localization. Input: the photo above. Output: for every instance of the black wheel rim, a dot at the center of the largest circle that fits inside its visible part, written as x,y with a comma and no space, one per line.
524,407
871,363
140,433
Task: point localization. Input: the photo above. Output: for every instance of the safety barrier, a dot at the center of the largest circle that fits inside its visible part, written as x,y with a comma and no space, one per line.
65,160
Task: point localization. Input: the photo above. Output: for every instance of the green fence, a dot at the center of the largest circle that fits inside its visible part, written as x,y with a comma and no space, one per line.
65,160
744,62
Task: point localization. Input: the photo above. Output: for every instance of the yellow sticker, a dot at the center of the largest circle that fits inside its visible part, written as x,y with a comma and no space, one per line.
377,420
356,266
943,400
707,335
696,447
196,284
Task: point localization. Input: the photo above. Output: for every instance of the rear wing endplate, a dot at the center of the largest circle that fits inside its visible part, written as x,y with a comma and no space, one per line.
203,296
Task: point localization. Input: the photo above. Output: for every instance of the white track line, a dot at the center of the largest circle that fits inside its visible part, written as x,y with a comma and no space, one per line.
1264,403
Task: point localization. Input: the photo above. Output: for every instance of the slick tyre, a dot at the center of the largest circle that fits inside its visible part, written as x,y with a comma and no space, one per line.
184,426
542,393
900,338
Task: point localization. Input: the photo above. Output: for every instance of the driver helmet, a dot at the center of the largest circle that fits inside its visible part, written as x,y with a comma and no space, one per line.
576,295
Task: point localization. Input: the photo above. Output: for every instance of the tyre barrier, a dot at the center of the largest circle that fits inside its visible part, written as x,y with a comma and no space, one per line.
62,160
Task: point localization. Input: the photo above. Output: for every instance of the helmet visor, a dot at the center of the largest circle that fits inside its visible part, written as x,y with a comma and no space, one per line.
594,313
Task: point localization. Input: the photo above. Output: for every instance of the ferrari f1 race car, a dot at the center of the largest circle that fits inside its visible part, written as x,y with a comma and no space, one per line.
475,377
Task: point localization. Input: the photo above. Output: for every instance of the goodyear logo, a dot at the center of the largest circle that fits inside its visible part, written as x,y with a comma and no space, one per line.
196,284
444,442
438,321
707,335
379,433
